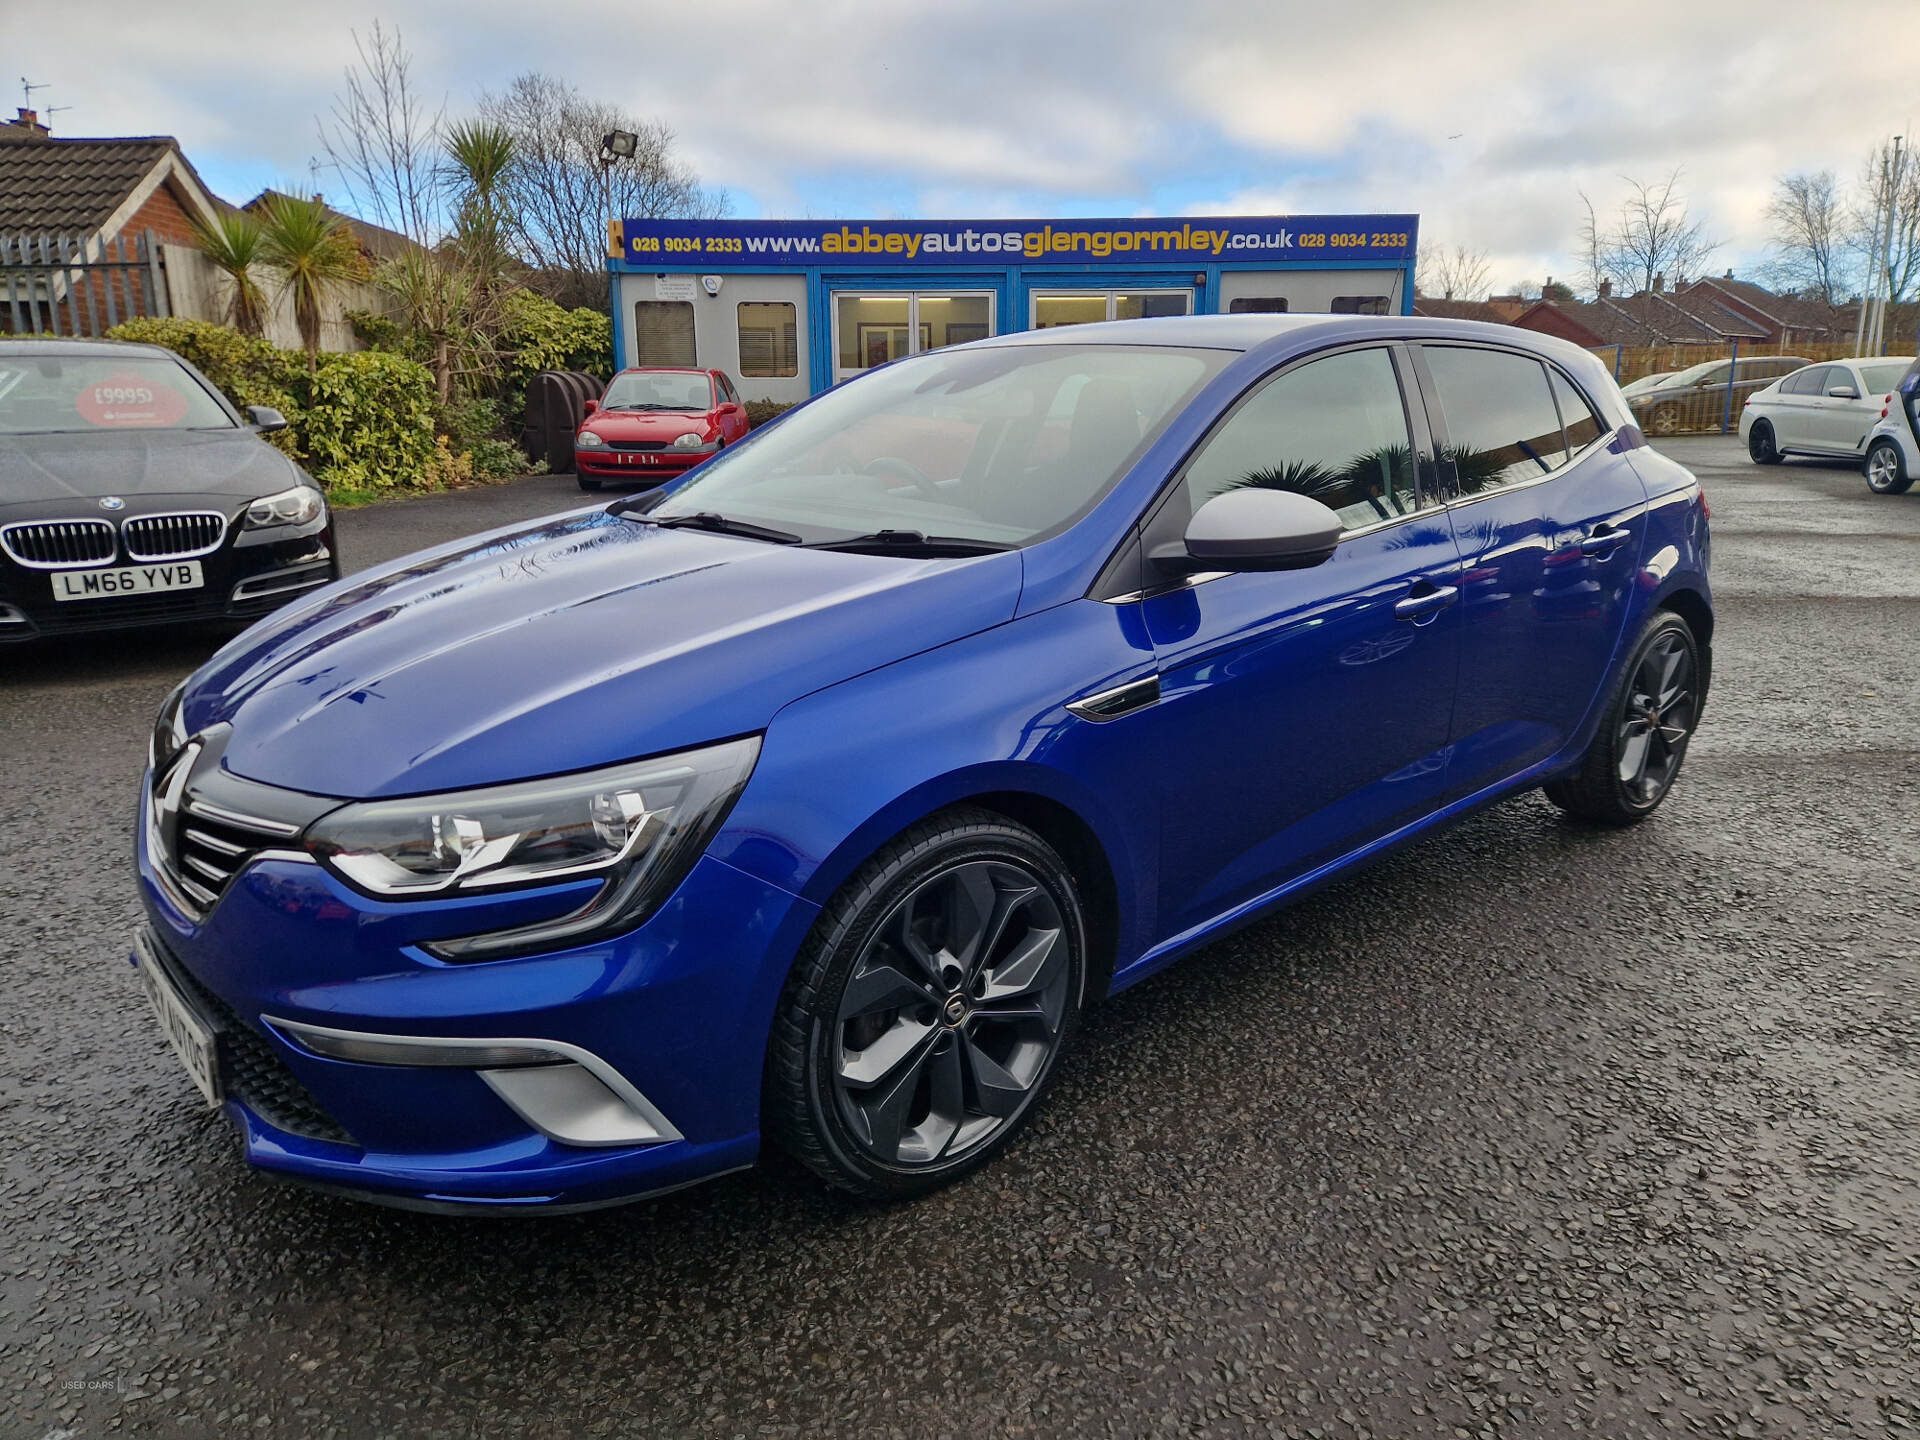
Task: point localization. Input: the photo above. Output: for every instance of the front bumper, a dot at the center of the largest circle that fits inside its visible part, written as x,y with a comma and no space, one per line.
642,469
252,574
677,1012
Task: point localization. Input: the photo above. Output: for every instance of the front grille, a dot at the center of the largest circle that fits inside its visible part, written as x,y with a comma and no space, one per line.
173,537
250,1069
59,544
207,849
637,445
130,610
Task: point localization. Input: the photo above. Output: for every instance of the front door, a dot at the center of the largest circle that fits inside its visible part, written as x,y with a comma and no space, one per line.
1304,712
1548,521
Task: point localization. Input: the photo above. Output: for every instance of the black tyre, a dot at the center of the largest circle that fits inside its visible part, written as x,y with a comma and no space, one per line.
1760,444
585,483
929,1008
1886,469
1648,719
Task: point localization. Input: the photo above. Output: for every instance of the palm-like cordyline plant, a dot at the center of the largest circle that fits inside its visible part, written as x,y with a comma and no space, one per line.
234,245
315,253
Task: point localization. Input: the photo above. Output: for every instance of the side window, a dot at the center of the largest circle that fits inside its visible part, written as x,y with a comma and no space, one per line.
1583,427
1501,423
1797,384
769,339
1812,381
663,333
1333,429
1719,375
1359,305
1257,305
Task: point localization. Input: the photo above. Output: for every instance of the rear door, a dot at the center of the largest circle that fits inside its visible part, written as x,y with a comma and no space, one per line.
1796,414
1305,712
1548,522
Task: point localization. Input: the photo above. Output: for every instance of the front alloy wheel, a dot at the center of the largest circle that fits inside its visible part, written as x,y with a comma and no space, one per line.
926,1015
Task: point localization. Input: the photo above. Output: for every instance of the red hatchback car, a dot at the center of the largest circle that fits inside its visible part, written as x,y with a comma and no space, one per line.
655,424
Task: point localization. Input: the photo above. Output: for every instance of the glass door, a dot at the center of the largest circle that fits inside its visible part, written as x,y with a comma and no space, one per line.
1053,308
875,328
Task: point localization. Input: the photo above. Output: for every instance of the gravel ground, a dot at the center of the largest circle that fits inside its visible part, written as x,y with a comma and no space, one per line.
1529,1131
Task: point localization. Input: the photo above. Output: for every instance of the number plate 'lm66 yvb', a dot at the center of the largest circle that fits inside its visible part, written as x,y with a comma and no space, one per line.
133,580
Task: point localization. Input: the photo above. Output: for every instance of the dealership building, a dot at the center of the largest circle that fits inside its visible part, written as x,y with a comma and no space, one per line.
790,307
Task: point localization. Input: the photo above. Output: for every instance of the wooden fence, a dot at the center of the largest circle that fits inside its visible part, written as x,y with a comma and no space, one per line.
54,284
1714,408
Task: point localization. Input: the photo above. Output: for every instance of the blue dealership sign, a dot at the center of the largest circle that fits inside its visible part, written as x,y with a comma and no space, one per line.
1208,239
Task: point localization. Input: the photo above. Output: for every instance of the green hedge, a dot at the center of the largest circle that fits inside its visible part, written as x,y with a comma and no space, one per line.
359,422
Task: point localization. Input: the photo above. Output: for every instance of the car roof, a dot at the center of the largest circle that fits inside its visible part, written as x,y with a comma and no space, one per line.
81,347
1252,332
665,370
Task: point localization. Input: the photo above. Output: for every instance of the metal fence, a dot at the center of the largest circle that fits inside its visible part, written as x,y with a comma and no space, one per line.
1708,402
54,284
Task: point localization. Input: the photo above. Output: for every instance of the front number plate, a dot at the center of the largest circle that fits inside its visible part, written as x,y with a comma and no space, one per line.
192,1041
133,580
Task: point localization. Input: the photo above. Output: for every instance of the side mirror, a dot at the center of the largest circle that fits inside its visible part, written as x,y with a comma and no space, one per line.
1843,392
265,419
591,407
1254,529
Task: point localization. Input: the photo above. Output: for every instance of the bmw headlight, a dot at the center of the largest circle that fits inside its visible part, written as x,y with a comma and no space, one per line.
297,506
638,826
692,441
589,440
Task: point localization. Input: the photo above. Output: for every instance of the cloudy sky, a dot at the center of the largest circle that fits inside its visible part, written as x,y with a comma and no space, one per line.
1484,116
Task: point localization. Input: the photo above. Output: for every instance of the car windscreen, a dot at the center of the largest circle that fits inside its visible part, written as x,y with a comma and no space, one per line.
67,394
658,390
1004,444
1883,377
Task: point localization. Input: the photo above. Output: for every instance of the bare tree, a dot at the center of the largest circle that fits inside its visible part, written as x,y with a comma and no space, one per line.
1903,253
1806,220
1593,254
560,194
1653,237
1456,274
383,142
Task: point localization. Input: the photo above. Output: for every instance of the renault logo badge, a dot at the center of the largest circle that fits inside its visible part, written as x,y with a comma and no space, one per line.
112,502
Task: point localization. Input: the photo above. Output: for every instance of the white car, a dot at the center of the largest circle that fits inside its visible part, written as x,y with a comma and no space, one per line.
1826,409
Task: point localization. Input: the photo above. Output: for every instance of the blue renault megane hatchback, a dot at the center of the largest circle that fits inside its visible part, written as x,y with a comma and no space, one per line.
813,798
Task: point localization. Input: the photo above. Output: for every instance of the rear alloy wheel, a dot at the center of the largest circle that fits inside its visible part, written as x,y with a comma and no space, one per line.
1760,444
1886,469
1664,421
1636,755
927,1012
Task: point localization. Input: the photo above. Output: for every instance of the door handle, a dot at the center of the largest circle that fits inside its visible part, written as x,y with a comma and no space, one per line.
1605,542
1426,602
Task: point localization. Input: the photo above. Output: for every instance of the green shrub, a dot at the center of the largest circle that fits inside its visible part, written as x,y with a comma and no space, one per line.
368,421
536,335
759,412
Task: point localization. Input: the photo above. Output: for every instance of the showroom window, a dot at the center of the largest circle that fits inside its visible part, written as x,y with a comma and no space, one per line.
1257,305
1054,308
1359,305
1583,427
663,332
1333,429
1501,421
872,330
769,339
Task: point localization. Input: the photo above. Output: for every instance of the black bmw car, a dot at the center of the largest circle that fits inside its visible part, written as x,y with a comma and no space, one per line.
132,493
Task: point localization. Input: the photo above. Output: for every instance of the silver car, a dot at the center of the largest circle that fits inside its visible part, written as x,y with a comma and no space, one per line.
1826,410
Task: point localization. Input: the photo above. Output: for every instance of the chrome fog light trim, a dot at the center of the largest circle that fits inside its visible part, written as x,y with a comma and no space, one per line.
11,615
564,1091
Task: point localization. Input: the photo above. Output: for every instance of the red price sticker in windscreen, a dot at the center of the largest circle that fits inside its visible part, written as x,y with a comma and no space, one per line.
134,400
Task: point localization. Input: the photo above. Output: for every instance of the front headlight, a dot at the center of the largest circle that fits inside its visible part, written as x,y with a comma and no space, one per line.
589,440
692,441
640,826
290,507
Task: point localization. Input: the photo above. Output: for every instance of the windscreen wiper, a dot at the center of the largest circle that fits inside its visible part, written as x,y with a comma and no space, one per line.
720,525
910,542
